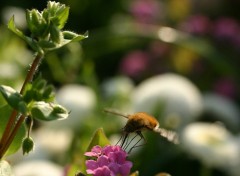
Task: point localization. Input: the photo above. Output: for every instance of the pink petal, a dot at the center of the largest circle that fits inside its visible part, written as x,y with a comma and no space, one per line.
125,168
91,165
95,152
102,161
114,168
118,157
103,171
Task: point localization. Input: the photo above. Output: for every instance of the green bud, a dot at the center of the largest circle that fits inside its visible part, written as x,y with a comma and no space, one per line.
40,84
36,23
48,92
55,34
58,13
27,145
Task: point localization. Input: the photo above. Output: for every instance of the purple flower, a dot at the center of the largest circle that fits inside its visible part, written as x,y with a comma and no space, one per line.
108,161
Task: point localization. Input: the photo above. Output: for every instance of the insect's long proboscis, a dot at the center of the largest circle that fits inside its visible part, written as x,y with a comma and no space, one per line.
111,111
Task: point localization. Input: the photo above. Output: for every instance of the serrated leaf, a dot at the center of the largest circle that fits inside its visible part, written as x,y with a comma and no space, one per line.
5,169
48,111
5,112
13,98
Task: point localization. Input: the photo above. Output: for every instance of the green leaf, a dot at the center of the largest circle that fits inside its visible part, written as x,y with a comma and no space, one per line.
48,111
99,138
12,27
62,14
30,41
5,169
5,112
13,98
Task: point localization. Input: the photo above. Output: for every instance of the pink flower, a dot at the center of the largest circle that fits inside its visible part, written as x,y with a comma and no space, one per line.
96,151
135,63
108,161
145,11
226,29
197,25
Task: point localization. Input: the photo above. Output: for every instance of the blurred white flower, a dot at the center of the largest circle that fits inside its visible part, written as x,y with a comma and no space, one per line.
117,87
37,168
53,141
180,99
212,144
223,109
49,143
79,100
235,169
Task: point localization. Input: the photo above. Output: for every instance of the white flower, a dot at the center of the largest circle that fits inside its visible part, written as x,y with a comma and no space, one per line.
212,144
79,100
223,109
181,100
53,141
117,86
37,168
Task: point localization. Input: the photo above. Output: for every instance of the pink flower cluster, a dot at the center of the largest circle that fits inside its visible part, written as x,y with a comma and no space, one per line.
108,161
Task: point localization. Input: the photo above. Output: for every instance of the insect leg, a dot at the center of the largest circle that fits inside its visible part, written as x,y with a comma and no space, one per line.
136,144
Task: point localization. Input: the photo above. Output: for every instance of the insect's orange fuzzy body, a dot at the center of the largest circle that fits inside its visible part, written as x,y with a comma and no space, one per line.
140,121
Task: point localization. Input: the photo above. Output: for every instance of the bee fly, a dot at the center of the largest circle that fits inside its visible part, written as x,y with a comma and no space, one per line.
138,122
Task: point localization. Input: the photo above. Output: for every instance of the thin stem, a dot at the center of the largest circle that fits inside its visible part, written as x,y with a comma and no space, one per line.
12,135
32,71
8,129
7,135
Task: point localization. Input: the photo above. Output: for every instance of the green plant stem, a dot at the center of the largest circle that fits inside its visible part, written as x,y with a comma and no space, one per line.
7,130
12,135
11,129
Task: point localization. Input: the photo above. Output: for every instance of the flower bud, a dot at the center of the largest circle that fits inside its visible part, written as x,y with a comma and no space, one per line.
36,23
27,145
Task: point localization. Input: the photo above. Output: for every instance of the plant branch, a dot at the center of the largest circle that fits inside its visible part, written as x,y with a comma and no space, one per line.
10,130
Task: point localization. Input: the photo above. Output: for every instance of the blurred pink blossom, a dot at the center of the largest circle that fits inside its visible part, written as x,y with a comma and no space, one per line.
145,11
135,63
225,87
108,161
197,24
226,29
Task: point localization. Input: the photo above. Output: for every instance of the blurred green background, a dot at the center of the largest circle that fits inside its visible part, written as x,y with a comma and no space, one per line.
192,46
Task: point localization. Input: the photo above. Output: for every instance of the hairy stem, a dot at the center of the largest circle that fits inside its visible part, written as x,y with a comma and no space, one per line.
11,129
